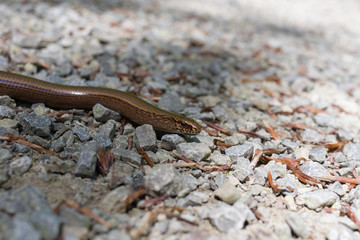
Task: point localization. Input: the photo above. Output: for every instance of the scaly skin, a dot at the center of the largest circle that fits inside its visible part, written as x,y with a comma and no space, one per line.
62,96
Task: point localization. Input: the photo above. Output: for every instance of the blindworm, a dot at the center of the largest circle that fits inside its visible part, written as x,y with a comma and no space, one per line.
62,96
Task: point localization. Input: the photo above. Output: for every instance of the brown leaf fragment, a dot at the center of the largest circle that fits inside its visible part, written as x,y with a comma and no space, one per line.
273,95
334,146
296,126
20,140
130,199
253,135
104,161
227,132
352,216
271,130
212,132
340,179
309,109
203,168
146,157
83,210
293,165
222,144
151,202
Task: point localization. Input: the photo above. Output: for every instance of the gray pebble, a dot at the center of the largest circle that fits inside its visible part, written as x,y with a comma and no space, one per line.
242,168
324,119
5,130
289,144
342,232
164,179
4,176
145,137
311,136
226,218
20,165
170,141
6,112
103,114
20,229
7,101
219,158
71,217
86,163
171,102
39,141
47,223
5,155
103,140
352,151
65,140
194,199
57,165
337,188
119,174
297,224
191,181
220,113
317,199
318,154
194,151
24,200
36,125
82,134
127,156
108,129
9,123
228,193
314,169
244,150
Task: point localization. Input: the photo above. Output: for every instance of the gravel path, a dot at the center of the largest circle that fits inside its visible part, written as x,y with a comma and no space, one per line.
275,86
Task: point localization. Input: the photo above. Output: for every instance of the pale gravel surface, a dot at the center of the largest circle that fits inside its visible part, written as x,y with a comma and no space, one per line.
222,52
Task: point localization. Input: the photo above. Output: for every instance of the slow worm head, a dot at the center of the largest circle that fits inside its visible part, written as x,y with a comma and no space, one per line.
64,96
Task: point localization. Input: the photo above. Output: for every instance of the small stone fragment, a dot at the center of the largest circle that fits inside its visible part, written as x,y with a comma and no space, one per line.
352,151
242,168
127,156
36,125
7,101
103,114
194,151
244,150
297,224
226,218
146,137
47,223
311,136
318,154
317,199
119,173
228,193
171,102
65,140
82,134
86,164
21,229
164,179
20,165
314,169
170,141
103,140
6,112
337,188
5,155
